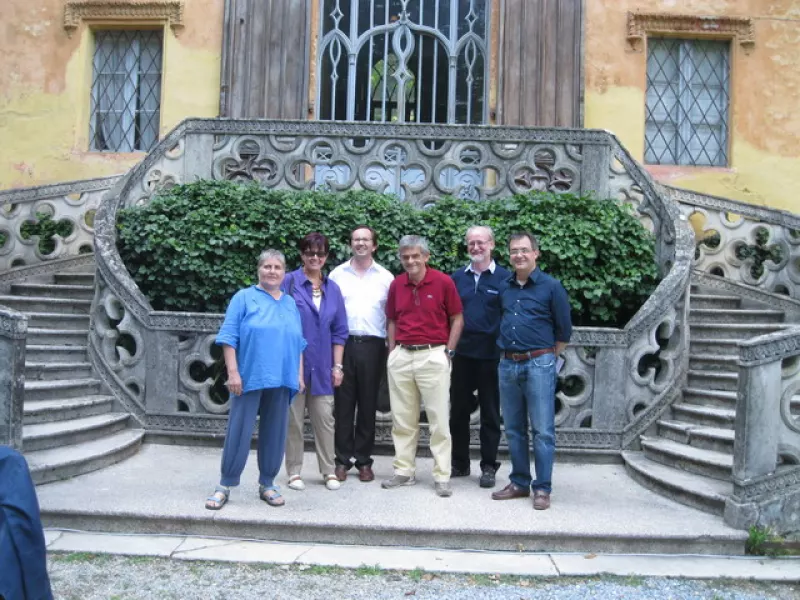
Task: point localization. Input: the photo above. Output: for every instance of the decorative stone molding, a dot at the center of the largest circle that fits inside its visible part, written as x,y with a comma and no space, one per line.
773,485
640,25
13,325
769,348
48,268
125,11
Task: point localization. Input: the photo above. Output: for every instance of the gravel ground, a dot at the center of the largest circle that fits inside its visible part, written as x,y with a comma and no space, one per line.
81,576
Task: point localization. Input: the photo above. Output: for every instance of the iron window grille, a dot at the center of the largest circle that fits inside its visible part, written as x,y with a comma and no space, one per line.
126,91
687,102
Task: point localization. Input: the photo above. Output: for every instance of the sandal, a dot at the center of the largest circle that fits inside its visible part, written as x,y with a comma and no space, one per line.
296,483
219,498
271,496
332,482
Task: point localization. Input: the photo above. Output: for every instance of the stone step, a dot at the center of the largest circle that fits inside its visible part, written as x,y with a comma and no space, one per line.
56,337
52,290
713,380
710,398
37,354
732,331
57,321
704,415
47,371
693,490
45,304
55,434
75,278
707,463
729,315
61,388
714,301
724,347
713,362
47,411
69,461
700,436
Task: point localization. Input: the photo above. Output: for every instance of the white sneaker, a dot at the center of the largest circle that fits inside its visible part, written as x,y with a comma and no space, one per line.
332,483
296,483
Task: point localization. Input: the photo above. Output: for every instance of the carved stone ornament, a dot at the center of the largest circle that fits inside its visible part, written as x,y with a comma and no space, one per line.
124,11
640,25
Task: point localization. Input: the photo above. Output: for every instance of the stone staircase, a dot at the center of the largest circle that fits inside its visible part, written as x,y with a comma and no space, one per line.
70,425
688,456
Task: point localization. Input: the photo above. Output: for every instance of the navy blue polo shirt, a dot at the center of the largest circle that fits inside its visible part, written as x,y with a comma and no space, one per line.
535,315
482,311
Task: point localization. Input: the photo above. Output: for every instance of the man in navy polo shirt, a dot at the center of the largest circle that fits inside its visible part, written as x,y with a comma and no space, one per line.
479,285
534,330
423,324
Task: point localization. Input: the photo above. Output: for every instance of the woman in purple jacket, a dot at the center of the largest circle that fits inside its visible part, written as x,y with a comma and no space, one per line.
324,320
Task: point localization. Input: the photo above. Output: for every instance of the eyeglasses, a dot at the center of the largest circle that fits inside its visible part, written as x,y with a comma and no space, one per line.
416,296
520,251
364,240
478,243
310,254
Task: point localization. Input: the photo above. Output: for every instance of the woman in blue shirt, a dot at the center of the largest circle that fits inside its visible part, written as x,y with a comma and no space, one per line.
262,342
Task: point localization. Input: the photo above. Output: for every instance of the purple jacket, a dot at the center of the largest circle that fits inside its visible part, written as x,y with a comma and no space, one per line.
322,329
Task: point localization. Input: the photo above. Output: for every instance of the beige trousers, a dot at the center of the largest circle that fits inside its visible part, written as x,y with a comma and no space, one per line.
320,410
414,377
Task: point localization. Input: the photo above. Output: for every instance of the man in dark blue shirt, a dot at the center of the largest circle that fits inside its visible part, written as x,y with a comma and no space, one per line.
479,285
534,330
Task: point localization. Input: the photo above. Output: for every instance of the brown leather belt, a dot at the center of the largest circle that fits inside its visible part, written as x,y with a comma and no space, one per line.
521,356
418,347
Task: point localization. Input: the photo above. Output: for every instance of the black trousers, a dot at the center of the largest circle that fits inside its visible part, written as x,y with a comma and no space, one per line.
468,375
356,399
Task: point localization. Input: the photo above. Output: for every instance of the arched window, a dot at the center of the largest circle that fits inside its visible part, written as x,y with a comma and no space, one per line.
418,61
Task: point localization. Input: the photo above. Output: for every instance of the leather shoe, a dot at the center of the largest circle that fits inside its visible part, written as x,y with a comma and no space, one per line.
456,472
541,500
510,492
341,472
365,473
487,479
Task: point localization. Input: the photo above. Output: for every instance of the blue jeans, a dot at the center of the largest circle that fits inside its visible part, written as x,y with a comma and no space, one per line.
527,391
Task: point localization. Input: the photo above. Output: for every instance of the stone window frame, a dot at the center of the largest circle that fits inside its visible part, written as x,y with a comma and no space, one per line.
128,13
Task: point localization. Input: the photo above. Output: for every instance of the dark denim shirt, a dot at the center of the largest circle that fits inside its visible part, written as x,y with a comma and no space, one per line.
536,315
322,328
482,311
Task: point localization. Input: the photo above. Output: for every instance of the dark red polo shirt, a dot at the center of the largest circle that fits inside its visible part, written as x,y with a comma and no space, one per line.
422,313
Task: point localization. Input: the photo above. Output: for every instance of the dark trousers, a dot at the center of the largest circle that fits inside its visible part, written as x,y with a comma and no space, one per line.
468,375
356,399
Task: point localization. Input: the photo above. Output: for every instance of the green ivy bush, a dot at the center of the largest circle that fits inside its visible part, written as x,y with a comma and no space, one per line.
46,228
195,245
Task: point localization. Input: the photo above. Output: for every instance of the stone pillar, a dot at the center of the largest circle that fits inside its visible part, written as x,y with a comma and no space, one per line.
13,329
595,171
161,381
755,451
608,404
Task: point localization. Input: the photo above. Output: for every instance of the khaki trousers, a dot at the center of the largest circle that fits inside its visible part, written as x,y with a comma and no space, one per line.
320,410
421,376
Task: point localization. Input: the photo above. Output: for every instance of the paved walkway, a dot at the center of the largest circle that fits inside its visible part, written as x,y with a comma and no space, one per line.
595,509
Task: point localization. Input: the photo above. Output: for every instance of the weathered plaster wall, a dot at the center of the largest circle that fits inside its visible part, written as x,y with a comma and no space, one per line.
765,87
45,80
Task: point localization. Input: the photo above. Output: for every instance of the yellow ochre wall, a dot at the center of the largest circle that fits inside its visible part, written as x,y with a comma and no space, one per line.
764,156
45,81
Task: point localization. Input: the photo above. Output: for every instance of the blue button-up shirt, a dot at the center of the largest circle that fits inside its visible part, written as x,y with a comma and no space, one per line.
268,339
535,315
482,310
322,328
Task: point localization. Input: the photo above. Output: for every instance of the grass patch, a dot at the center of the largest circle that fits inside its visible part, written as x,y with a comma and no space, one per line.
368,571
79,557
324,570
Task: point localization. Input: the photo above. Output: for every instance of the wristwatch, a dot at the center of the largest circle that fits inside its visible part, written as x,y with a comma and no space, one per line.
450,353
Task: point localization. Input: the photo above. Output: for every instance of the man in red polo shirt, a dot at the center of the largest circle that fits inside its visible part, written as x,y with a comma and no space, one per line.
423,324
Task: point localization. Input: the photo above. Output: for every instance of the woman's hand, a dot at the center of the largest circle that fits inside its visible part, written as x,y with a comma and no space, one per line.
234,383
337,374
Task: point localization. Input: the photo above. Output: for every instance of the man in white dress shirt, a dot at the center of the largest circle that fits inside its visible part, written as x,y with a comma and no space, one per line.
365,286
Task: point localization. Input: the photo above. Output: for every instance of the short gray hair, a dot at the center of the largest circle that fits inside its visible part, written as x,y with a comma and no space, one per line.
271,253
413,241
475,228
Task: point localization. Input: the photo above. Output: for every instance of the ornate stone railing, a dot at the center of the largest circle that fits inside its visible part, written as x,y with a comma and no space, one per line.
615,381
74,202
13,329
766,462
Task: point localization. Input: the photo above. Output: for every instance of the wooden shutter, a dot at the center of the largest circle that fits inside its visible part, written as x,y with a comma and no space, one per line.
265,59
540,75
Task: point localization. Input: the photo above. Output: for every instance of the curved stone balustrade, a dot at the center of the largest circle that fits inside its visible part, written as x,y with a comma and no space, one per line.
754,245
615,381
73,201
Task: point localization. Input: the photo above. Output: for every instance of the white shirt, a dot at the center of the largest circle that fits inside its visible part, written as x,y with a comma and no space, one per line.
477,274
364,297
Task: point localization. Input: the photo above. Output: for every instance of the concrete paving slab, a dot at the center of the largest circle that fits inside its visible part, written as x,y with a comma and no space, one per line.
596,508
50,536
247,552
441,561
198,543
691,567
116,544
